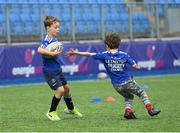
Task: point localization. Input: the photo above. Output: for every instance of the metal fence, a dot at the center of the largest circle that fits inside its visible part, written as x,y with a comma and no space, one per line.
23,22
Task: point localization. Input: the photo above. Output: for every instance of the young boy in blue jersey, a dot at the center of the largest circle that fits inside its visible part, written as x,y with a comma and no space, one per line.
52,71
116,64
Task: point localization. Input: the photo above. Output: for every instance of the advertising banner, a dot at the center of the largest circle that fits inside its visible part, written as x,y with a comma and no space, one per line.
23,62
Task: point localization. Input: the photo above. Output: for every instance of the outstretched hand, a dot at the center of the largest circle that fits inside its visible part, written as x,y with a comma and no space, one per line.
71,52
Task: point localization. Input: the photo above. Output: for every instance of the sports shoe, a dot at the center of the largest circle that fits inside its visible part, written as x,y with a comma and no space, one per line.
129,115
74,111
53,116
153,112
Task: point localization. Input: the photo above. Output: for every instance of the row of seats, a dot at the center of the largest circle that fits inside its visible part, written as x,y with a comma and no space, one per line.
65,1
19,28
162,5
25,18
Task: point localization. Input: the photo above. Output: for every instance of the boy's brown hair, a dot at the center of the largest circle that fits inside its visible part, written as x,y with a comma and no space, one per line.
112,39
49,20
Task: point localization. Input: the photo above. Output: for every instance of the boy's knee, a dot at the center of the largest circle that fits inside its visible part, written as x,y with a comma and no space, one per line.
59,92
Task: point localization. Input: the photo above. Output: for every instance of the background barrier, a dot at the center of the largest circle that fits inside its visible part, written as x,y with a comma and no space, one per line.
23,63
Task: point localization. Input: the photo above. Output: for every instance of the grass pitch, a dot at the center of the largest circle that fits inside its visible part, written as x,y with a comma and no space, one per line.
23,108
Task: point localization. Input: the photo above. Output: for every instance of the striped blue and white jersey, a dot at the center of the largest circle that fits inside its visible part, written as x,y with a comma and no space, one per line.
50,64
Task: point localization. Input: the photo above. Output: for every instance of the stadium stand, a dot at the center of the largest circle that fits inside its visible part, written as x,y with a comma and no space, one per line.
25,15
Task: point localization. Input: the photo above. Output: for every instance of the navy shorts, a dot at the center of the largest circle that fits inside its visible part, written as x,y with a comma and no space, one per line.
55,79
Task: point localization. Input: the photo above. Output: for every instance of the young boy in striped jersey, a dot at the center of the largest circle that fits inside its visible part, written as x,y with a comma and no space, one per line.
52,71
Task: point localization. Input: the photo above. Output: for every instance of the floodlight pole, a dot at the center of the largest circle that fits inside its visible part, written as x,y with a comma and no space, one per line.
8,26
102,22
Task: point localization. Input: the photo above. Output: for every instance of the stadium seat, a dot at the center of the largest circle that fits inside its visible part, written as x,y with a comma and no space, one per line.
15,10
25,18
62,29
17,28
66,17
14,17
80,28
78,17
22,1
115,16
26,10
29,28
68,27
35,17
86,16
2,18
107,17
124,16
2,28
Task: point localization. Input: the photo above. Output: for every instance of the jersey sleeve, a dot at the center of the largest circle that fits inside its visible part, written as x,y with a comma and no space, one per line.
130,61
43,44
98,56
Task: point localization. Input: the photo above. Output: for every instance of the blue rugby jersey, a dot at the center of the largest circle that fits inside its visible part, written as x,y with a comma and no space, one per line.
50,64
116,65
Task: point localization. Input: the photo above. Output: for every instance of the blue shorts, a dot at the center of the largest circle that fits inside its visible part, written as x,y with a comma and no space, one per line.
55,79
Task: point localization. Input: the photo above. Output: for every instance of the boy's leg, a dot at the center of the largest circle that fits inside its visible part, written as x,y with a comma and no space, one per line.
128,109
52,114
128,100
69,103
135,89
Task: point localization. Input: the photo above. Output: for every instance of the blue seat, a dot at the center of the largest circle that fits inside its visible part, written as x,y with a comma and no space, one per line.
22,1
67,26
2,18
29,28
11,1
177,1
124,16
146,28
26,10
66,17
43,1
109,26
83,1
35,17
14,17
92,27
37,29
17,28
107,17
2,28
81,28
87,17
36,11
115,16
25,17
96,17
15,10
78,17
137,28
92,1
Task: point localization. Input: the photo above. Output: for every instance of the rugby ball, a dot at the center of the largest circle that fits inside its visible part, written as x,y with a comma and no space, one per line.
55,45
102,75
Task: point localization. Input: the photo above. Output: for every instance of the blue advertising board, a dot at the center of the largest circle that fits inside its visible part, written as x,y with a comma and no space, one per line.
23,61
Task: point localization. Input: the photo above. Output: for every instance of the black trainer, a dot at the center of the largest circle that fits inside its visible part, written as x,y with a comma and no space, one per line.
129,115
153,112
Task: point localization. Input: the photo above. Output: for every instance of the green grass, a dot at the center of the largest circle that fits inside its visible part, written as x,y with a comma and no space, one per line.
23,108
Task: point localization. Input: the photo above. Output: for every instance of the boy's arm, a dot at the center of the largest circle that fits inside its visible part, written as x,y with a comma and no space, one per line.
48,53
136,66
75,52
